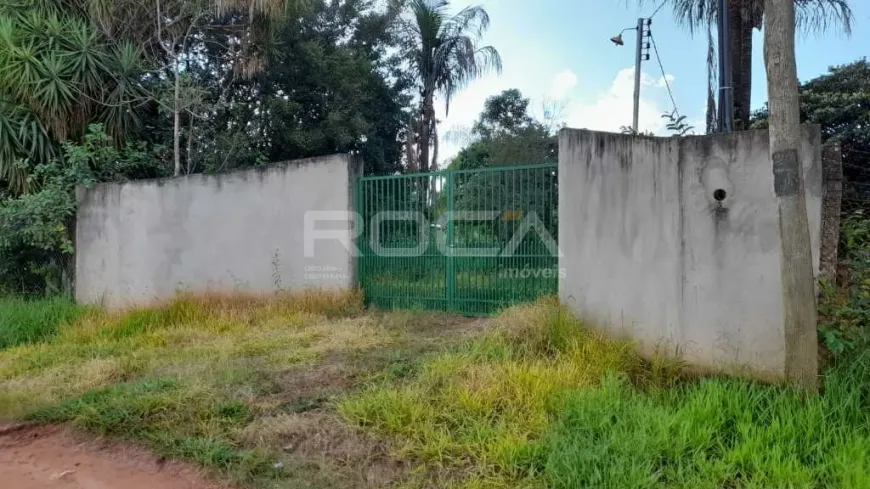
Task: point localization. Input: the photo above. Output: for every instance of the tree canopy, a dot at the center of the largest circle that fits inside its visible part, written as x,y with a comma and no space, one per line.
506,134
839,101
100,91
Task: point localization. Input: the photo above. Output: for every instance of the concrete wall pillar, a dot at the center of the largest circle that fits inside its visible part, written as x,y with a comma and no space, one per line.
674,242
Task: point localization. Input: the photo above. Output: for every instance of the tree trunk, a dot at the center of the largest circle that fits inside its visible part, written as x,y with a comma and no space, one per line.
740,50
425,125
176,128
432,188
434,165
410,147
798,287
190,167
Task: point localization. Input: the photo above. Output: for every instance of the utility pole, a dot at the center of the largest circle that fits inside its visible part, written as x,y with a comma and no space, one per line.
641,54
726,86
798,284
637,61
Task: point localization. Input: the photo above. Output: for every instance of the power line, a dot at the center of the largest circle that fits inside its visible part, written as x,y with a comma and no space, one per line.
657,9
664,75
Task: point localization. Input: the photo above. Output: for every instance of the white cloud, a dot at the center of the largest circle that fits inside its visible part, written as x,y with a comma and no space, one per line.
562,83
607,110
612,109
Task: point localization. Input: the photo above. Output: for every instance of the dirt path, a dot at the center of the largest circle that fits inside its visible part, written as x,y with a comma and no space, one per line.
53,457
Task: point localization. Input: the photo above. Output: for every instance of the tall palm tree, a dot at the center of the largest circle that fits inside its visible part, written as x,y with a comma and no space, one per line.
746,15
446,55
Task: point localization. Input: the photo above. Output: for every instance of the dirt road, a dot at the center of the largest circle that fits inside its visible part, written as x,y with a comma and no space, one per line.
53,457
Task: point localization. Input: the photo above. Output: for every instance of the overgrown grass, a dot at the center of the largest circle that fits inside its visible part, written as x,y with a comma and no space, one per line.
31,321
185,377
537,400
715,433
543,402
480,409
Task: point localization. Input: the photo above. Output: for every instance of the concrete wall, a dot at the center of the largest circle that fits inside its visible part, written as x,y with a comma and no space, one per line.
142,241
650,252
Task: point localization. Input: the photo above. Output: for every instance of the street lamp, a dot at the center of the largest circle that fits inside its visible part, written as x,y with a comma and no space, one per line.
617,39
643,31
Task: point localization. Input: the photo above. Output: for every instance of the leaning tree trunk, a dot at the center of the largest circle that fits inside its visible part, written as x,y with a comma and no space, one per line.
798,286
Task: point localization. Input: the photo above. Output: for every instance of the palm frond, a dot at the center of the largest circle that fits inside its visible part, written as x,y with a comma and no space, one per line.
470,21
822,15
23,139
811,15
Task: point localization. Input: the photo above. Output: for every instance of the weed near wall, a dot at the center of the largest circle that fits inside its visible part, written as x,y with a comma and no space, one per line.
25,321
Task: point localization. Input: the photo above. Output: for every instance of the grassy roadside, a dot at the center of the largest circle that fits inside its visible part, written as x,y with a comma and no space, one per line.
310,390
240,385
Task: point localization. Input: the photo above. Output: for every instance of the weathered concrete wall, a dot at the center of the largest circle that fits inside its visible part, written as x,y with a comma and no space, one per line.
142,241
675,242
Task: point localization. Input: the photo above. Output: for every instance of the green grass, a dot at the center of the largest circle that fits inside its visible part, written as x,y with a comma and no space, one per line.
536,400
543,402
171,417
223,381
714,433
185,377
478,411
31,321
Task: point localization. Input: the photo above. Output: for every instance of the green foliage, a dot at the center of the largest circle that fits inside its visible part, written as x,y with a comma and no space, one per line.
677,124
844,313
23,321
333,84
506,134
506,113
57,72
334,65
36,228
839,102
445,53
812,15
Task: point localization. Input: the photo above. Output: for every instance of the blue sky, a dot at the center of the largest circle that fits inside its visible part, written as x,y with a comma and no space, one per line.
560,50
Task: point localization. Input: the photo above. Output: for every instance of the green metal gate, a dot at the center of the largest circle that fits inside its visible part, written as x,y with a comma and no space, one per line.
466,241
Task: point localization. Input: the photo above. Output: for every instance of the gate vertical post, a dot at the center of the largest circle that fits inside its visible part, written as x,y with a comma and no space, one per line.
451,270
360,240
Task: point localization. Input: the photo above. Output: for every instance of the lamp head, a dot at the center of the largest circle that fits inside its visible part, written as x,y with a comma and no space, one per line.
617,40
